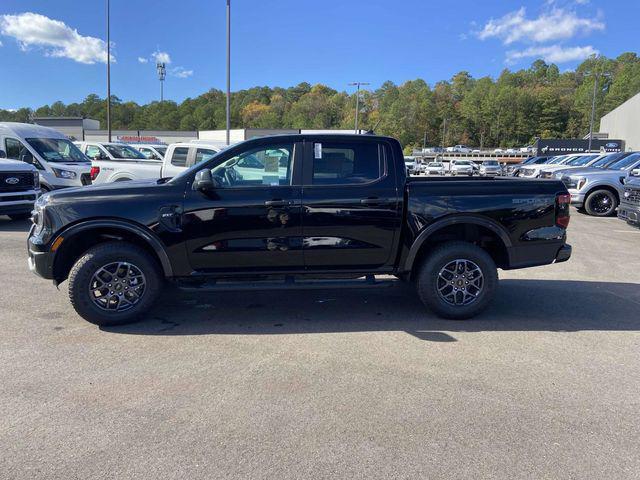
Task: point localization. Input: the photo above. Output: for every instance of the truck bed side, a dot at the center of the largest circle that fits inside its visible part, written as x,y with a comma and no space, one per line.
515,217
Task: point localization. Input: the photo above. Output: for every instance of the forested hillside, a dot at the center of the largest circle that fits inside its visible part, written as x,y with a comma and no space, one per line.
508,111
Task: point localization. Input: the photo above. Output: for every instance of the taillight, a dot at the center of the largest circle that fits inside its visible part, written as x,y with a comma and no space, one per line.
94,172
563,201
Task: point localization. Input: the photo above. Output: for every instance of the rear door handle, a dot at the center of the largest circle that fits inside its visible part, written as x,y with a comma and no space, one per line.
277,203
371,201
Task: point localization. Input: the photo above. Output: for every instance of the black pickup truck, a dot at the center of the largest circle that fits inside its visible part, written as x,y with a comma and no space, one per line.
296,211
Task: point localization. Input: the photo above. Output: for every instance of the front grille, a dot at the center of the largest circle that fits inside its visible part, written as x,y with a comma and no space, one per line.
85,179
25,181
17,198
632,195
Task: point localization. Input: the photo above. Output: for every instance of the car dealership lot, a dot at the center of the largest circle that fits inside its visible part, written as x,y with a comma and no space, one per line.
342,383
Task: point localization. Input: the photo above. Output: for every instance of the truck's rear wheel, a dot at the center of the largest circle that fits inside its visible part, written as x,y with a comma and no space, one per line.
113,283
457,280
601,203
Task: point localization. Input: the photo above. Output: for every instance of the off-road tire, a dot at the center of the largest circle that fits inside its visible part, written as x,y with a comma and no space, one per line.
100,255
591,203
428,274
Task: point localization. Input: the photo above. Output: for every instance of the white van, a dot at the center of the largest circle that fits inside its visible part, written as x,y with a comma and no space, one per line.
59,162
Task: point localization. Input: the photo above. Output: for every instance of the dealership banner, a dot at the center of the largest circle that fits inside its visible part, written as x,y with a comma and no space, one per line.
558,146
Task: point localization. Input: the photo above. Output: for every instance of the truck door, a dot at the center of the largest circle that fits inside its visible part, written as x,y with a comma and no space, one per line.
252,221
351,205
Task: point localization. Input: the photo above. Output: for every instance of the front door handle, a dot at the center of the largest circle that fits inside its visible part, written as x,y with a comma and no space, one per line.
277,203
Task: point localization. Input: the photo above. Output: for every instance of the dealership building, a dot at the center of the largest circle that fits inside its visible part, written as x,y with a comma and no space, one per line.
624,123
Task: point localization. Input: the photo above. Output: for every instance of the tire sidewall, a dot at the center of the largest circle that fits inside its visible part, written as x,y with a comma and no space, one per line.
590,198
89,263
427,279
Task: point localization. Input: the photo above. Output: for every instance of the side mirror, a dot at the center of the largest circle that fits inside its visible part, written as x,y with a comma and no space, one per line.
3,154
26,157
204,181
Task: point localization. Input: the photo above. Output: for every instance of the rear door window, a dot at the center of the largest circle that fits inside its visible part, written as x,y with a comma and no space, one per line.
179,156
343,164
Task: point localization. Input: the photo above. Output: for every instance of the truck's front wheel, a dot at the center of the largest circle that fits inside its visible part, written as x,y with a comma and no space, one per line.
457,280
113,283
601,203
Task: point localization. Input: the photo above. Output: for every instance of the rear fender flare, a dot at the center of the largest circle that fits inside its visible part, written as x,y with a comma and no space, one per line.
455,220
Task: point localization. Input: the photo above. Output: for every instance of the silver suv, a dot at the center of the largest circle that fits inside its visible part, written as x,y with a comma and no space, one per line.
598,190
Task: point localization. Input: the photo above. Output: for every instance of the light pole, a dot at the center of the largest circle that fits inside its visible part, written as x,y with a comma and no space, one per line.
228,70
357,100
162,74
596,74
593,101
108,75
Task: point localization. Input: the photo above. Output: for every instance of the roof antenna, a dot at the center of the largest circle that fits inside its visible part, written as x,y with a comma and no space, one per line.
372,131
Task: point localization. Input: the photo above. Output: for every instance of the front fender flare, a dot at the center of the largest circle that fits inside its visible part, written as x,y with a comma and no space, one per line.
148,236
456,220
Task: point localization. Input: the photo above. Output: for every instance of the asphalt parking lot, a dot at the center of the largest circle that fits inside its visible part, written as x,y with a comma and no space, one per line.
342,384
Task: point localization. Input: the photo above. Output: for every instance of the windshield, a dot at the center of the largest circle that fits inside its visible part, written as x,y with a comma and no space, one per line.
626,163
124,151
556,160
582,160
435,164
57,150
608,160
491,163
463,163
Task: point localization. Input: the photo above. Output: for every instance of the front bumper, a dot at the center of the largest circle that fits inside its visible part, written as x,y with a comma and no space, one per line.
40,259
577,198
630,213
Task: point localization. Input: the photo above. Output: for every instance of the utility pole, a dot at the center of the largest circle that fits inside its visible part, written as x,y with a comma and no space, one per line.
444,131
593,103
357,100
162,74
108,74
228,70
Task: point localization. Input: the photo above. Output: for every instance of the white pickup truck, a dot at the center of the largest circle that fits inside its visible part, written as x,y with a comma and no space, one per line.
117,162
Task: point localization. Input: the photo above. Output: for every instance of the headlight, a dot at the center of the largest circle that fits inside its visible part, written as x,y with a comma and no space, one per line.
575,183
68,174
36,180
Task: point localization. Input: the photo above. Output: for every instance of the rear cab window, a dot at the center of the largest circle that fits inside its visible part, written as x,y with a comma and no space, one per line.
179,156
336,163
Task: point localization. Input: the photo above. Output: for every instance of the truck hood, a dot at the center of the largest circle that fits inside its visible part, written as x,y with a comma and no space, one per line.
596,173
113,189
7,165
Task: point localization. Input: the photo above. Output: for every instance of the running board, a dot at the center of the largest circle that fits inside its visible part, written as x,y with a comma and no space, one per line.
289,283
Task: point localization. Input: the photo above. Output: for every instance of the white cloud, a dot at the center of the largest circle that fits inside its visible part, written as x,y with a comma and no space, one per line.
161,57
558,24
54,37
180,72
552,53
143,60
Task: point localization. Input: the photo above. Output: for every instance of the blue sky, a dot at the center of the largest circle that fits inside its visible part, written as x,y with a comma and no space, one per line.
54,50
